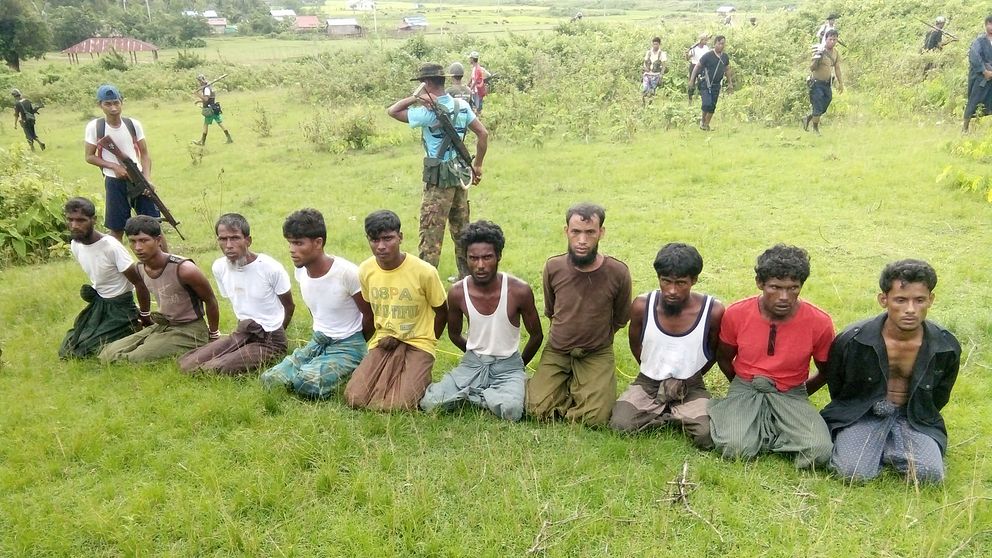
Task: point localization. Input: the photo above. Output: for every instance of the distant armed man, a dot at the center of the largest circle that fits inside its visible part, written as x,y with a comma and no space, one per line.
824,67
211,109
25,115
979,74
710,71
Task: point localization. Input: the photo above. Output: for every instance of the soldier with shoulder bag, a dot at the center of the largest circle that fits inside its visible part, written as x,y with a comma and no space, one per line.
448,169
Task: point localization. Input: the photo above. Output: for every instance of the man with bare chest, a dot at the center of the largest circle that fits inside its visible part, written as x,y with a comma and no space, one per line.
491,374
889,377
673,336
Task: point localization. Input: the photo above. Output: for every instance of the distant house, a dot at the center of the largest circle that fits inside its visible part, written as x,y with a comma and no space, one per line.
344,27
281,15
306,23
209,14
414,23
726,10
217,25
361,5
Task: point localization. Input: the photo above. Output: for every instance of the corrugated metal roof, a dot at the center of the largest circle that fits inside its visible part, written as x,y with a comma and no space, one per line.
99,45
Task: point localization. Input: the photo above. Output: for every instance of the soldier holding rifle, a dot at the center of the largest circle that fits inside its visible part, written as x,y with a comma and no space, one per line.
121,193
448,167
211,108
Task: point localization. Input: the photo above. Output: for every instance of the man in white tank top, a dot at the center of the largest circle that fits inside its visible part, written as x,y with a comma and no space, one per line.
491,374
673,335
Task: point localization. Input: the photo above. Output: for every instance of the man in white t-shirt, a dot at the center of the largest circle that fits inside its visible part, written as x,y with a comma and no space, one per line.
211,109
110,313
129,136
259,290
342,319
696,52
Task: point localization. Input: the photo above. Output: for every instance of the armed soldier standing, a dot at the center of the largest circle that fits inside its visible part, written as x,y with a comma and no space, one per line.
211,109
25,114
447,174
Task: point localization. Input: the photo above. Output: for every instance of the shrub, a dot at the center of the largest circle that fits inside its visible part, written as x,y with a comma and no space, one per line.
32,226
113,61
186,60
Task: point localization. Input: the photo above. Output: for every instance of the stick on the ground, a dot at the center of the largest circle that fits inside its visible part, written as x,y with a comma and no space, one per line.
680,495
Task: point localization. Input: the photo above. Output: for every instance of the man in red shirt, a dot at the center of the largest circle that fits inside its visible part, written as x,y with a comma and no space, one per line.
766,343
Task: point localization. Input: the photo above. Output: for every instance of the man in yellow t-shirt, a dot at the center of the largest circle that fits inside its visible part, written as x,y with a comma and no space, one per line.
410,310
825,65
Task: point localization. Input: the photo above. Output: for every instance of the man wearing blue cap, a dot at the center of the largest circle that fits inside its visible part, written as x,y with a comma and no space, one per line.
129,136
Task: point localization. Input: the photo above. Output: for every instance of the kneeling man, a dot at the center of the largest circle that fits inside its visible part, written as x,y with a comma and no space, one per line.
259,290
491,374
766,342
889,377
673,335
587,297
110,313
182,292
342,319
408,303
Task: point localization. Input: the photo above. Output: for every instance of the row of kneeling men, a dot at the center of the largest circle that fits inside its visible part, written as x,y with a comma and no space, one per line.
376,325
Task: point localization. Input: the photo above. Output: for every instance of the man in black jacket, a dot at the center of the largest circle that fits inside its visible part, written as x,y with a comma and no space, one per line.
889,377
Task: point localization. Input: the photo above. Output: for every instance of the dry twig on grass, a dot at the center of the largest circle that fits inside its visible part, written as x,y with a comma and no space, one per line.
681,488
540,541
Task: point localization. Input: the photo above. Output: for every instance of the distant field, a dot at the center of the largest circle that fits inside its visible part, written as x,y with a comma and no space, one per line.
465,17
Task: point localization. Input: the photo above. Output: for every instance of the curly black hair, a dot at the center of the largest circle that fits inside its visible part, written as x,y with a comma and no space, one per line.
485,232
907,271
782,262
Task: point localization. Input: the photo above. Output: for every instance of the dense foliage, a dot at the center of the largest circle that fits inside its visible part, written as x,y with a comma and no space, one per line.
31,221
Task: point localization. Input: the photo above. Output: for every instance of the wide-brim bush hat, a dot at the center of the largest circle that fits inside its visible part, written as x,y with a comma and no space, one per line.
430,70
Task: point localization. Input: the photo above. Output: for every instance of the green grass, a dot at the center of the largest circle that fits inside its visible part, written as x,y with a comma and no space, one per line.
126,460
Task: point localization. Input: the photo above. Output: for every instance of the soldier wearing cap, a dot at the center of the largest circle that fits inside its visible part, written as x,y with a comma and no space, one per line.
211,109
24,115
446,178
129,137
457,89
477,82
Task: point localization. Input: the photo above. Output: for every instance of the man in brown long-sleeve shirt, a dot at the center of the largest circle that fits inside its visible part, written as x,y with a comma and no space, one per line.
587,297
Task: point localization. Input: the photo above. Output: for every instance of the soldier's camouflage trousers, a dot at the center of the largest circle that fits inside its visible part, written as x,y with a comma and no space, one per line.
443,204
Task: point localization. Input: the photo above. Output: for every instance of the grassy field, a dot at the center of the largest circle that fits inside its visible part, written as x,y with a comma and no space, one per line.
127,461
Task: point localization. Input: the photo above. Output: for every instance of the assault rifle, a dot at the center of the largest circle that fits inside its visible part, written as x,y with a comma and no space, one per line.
449,131
135,176
211,82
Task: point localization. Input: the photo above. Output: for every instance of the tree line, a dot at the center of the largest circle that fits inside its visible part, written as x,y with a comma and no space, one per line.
30,28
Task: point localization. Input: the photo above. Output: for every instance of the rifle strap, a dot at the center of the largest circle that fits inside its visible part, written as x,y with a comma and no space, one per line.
101,131
448,141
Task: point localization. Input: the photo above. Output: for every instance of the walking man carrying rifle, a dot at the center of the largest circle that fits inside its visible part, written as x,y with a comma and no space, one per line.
448,167
824,67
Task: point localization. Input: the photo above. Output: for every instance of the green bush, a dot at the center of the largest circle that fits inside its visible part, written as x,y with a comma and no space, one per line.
32,226
186,60
113,61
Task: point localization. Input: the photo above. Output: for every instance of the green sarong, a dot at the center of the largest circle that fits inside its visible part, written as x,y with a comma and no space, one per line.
755,417
102,321
157,341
